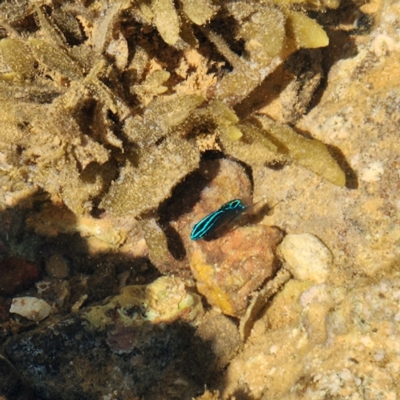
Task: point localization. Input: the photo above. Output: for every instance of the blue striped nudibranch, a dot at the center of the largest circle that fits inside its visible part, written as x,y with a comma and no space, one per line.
217,219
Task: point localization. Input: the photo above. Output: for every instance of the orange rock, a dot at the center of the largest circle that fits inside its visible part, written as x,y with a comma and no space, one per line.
230,268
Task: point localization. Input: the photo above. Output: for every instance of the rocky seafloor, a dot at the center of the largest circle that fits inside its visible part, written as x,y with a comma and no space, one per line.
113,329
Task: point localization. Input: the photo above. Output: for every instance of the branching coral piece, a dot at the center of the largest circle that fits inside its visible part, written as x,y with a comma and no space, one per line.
245,77
53,149
102,31
152,86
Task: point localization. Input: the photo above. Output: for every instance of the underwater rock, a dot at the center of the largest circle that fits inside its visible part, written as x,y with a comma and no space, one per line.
168,237
307,258
259,302
4,306
228,269
237,262
330,341
214,185
131,346
68,360
317,302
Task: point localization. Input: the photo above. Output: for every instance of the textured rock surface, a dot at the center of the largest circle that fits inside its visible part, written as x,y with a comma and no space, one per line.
53,363
339,339
331,342
358,113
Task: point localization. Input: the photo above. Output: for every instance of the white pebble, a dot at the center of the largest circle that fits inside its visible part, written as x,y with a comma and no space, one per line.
373,172
31,308
307,258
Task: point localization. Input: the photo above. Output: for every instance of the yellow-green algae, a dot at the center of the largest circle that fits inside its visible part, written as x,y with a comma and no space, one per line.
18,57
309,153
117,131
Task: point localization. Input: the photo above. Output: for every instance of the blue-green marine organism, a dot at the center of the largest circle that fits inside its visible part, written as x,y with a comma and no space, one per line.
210,224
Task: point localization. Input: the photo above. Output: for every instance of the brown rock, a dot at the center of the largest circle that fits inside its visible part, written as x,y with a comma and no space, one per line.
16,274
57,266
168,237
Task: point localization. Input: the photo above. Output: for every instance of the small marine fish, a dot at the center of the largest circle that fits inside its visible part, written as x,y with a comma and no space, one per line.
210,224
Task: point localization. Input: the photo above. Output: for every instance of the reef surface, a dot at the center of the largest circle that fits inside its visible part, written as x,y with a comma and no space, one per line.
120,132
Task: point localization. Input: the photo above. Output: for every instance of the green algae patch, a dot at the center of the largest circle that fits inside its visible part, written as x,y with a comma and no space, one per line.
54,58
309,153
152,86
159,170
198,11
162,115
137,90
257,136
263,33
307,33
166,20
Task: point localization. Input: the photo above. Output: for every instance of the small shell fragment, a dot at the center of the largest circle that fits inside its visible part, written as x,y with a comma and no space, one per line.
31,308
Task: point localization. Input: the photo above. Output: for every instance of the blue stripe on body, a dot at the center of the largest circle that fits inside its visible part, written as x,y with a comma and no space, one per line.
209,224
